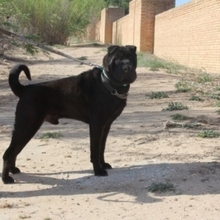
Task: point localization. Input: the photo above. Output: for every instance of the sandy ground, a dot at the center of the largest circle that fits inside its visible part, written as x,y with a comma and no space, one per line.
57,181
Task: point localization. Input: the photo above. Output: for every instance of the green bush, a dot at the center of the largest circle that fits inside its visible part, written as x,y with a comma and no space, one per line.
183,86
174,106
208,134
180,117
161,187
155,63
53,21
158,95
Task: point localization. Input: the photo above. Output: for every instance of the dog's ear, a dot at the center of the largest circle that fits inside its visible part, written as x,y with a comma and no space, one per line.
132,48
112,49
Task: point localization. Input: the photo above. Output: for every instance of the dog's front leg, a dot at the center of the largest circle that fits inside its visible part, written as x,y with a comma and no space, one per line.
103,143
96,131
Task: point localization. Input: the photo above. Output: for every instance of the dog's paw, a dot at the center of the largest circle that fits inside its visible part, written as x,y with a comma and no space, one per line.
106,166
101,172
15,170
7,180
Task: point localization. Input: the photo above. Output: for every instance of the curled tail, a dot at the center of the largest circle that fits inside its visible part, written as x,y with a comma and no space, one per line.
13,80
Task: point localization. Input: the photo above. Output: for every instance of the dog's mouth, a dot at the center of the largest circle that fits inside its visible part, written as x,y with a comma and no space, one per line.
124,72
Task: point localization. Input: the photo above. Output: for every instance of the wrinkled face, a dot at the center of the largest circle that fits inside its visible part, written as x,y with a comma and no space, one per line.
120,64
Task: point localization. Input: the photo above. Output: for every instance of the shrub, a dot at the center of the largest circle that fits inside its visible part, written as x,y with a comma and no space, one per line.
183,86
155,63
158,95
54,21
173,106
196,98
208,134
54,135
161,187
180,117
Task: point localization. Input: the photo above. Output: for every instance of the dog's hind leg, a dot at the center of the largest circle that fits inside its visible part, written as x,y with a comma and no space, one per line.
27,123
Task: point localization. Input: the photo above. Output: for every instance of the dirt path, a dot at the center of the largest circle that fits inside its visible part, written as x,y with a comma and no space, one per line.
57,181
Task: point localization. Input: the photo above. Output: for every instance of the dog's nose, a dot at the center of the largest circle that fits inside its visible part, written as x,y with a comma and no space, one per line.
126,68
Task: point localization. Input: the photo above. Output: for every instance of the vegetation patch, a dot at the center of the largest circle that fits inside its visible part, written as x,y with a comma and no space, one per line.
83,58
217,104
158,95
214,96
203,78
155,64
208,134
217,88
161,187
196,98
180,117
183,86
192,125
174,106
54,135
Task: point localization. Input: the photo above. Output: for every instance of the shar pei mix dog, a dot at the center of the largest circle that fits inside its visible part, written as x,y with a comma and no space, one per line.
96,97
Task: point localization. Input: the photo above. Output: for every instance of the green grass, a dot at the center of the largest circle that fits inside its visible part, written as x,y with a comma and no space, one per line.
155,64
158,95
83,58
180,117
183,86
196,98
208,134
214,96
217,104
173,106
161,187
191,125
217,88
55,20
54,135
203,78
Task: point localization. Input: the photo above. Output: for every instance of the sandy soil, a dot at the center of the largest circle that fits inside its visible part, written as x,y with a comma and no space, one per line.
57,181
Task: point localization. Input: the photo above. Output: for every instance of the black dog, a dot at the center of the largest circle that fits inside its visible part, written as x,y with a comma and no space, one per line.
96,97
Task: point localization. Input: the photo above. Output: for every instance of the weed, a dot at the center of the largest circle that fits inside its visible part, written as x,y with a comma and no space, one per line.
214,96
196,98
173,106
208,134
83,58
161,187
183,86
158,95
155,63
180,117
203,78
24,216
217,104
6,205
54,135
191,125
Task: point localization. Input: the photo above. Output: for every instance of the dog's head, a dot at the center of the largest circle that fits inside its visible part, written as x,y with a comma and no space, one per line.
120,64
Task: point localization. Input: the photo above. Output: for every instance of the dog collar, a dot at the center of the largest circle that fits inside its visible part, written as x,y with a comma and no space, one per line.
107,85
104,73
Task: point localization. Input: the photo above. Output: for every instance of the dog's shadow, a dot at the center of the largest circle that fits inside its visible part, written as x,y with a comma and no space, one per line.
187,179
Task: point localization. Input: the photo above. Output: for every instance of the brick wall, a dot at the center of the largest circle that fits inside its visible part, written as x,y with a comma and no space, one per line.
138,26
108,16
190,34
127,29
